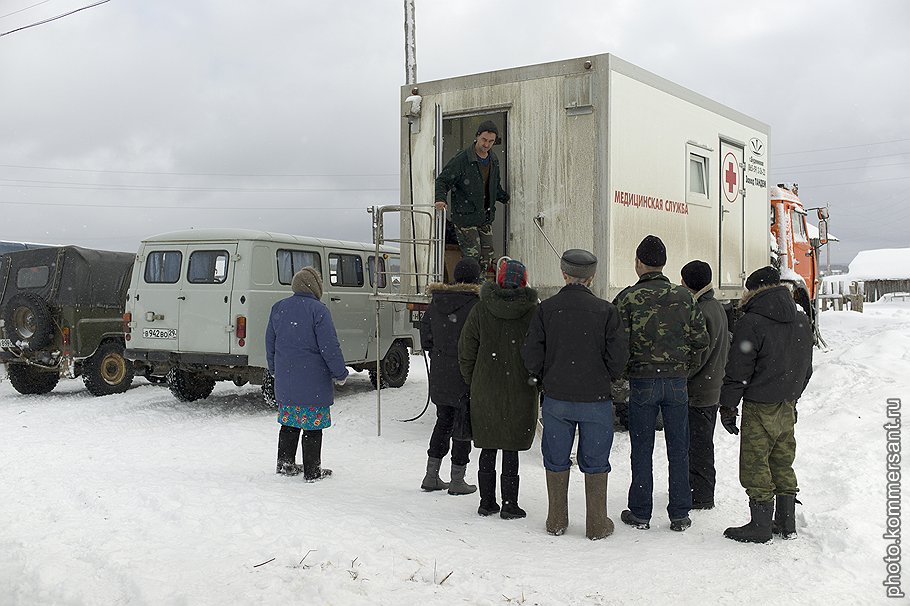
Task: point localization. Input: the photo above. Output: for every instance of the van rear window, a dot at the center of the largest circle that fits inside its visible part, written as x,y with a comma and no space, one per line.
292,261
163,266
33,277
207,267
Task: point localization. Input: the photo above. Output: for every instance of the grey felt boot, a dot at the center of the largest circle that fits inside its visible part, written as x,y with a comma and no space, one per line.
432,481
458,485
558,502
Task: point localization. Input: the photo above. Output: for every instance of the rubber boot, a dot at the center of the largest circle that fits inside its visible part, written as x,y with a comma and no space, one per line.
312,456
486,481
558,498
758,530
458,485
287,451
598,525
432,481
510,508
784,523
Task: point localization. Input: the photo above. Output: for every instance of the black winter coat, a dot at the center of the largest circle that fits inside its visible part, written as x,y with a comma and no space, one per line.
463,177
705,380
577,345
504,406
440,329
771,355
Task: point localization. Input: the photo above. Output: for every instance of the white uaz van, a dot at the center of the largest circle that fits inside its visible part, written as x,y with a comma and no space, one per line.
199,302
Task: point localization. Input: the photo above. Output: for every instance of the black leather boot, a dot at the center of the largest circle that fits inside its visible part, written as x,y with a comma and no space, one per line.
312,456
486,482
758,530
784,523
510,508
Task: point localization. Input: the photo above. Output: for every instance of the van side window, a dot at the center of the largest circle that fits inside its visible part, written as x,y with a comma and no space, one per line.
292,261
33,277
371,265
345,270
163,266
208,267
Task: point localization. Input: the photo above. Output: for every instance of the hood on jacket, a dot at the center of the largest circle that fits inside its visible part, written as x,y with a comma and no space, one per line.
449,298
774,302
507,303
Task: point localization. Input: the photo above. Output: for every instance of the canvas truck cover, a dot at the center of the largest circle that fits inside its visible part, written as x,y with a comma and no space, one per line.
68,276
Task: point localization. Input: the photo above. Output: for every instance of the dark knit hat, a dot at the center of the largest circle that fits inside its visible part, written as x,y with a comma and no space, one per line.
578,263
766,276
467,271
487,126
511,273
652,252
696,274
307,280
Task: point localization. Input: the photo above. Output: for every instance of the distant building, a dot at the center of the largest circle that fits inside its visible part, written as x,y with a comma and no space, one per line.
881,271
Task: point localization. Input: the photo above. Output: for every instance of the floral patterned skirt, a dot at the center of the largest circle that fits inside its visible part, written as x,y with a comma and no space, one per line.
305,417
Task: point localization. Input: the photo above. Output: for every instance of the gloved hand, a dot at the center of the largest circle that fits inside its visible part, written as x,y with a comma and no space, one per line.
728,419
339,382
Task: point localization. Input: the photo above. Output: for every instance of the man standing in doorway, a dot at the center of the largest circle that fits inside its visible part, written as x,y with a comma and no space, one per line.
666,334
472,176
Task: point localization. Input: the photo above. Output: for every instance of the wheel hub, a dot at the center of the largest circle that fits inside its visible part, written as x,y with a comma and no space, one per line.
113,369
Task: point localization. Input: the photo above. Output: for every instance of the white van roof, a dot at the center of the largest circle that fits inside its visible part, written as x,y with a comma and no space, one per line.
232,234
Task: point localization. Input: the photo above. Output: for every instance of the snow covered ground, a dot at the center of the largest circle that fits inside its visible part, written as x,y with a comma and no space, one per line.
140,499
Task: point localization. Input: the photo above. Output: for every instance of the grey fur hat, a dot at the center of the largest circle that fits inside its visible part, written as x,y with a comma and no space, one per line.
307,280
578,263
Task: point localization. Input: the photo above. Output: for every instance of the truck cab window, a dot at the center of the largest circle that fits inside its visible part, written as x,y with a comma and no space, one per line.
163,267
799,226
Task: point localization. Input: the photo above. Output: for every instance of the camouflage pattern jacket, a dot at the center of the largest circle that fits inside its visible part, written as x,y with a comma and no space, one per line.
666,329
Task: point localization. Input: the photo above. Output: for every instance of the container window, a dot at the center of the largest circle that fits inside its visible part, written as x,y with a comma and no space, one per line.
208,267
163,266
33,277
698,174
345,270
292,261
371,265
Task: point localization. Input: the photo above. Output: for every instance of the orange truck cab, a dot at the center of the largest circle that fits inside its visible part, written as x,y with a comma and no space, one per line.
792,249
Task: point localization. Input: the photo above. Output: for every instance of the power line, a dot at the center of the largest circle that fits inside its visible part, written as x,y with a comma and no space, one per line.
828,170
148,172
809,151
77,206
803,186
829,162
19,29
114,187
25,9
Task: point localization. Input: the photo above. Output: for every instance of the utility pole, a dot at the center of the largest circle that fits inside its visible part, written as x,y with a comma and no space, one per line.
410,43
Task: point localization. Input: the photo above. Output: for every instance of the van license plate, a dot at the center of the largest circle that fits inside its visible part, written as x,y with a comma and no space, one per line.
159,333
6,343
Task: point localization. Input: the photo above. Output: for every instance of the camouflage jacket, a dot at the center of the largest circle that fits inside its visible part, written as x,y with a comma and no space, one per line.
666,329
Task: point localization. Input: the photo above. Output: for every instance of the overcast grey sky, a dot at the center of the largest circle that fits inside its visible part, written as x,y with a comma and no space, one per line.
139,117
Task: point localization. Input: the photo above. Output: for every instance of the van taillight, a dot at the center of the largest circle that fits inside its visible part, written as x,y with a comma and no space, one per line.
66,335
127,318
241,330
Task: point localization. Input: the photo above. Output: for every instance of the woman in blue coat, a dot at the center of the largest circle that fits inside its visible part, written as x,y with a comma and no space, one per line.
304,356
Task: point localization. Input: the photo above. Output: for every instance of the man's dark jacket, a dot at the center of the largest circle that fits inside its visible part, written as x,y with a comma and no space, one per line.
577,344
705,380
440,329
462,175
771,355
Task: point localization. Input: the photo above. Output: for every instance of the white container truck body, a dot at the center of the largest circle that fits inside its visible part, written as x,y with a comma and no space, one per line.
598,153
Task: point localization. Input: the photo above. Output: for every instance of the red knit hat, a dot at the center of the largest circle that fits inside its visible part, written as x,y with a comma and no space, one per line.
511,273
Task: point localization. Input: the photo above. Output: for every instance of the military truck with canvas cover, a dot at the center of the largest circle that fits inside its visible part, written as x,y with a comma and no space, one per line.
61,310
199,302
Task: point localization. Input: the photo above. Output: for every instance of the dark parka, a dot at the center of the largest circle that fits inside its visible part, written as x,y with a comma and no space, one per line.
771,355
440,329
463,177
577,344
504,405
708,375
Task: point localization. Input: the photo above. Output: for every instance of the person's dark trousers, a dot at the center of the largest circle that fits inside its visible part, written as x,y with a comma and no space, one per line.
702,420
287,445
647,397
486,476
594,421
441,438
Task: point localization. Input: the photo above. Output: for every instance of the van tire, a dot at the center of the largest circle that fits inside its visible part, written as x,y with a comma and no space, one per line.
189,386
27,320
394,366
107,372
29,380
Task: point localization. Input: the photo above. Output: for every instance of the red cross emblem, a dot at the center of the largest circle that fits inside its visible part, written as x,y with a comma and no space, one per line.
730,177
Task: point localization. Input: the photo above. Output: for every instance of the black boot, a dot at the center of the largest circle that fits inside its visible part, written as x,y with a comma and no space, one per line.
758,530
510,508
287,451
486,482
784,523
311,441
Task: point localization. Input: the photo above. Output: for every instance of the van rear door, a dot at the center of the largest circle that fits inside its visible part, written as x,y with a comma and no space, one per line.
204,299
154,301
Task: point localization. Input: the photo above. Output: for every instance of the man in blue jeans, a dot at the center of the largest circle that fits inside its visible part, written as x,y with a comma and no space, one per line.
576,346
666,333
